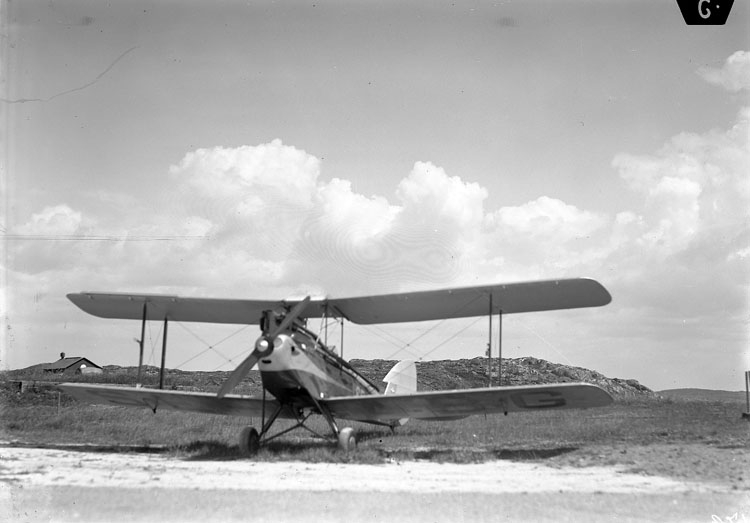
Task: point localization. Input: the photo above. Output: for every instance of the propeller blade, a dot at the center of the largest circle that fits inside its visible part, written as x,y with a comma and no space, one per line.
289,318
243,368
239,374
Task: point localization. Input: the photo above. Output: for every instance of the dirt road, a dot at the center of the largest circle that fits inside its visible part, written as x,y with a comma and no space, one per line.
40,484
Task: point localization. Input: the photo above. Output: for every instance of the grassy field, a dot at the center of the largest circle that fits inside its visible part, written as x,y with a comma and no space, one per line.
44,418
691,436
705,395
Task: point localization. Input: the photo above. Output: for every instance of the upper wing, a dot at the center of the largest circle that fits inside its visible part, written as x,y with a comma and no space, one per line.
462,403
159,307
230,404
473,301
389,308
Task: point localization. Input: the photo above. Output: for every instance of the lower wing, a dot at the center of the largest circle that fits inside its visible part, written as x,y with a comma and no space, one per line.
436,405
154,399
456,404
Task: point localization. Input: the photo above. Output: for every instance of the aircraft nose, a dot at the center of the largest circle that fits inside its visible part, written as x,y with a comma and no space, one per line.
263,346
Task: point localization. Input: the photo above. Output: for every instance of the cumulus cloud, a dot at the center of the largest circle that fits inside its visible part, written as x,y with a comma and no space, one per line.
58,220
546,219
733,76
682,251
429,194
258,221
257,193
542,238
263,223
38,251
352,243
694,185
234,174
271,219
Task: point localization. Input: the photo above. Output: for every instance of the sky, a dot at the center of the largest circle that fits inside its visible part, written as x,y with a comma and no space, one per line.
272,150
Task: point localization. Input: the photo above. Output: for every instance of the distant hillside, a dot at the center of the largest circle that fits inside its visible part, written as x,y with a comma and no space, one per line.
472,373
703,394
431,375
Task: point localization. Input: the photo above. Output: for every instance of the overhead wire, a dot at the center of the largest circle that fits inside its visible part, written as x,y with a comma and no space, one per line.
98,238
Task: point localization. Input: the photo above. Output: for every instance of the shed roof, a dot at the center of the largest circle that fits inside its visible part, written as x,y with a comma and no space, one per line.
65,363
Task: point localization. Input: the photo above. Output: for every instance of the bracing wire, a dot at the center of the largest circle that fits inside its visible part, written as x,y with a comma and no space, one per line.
152,342
544,340
455,335
384,335
433,327
209,346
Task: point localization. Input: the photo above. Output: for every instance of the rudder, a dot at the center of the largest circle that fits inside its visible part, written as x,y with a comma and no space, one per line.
401,379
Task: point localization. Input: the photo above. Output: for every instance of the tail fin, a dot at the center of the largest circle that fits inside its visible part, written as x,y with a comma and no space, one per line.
401,379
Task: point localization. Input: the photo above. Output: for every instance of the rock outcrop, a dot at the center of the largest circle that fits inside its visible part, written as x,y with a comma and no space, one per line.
431,375
472,373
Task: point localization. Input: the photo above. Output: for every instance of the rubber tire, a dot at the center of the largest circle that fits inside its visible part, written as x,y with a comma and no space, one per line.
347,439
249,442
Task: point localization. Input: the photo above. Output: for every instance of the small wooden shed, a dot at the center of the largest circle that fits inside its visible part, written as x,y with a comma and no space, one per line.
72,365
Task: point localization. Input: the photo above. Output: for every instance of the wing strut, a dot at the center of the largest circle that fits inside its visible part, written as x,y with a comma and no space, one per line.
489,346
499,346
141,342
339,317
163,353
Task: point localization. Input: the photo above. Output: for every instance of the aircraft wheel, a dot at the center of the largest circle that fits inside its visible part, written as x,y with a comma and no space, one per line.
347,439
249,442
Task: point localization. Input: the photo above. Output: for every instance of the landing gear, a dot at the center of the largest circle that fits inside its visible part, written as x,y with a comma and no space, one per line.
347,439
250,439
249,442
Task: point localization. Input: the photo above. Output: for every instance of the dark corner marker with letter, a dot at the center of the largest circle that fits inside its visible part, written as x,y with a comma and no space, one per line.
705,12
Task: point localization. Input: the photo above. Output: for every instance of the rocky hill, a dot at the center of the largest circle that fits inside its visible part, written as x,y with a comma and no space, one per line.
431,375
472,373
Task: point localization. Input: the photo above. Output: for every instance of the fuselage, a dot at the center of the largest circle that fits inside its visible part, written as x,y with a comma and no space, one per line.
299,371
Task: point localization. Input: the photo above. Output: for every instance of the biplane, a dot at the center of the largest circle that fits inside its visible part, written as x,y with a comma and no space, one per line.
302,376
